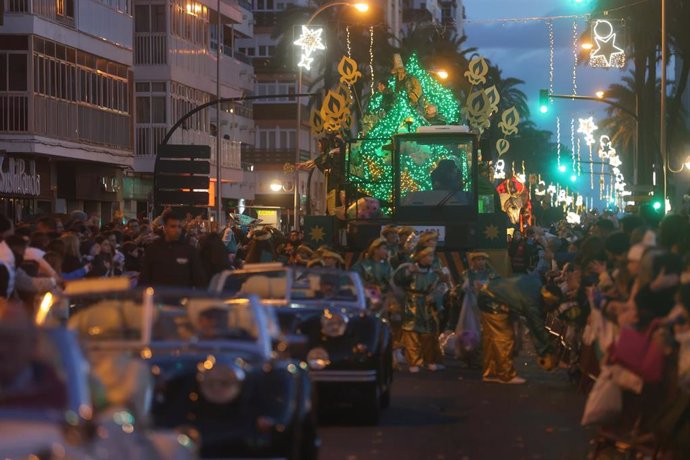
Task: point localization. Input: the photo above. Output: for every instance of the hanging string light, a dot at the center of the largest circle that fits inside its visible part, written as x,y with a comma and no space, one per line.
551,58
575,57
371,59
558,140
573,151
347,41
579,163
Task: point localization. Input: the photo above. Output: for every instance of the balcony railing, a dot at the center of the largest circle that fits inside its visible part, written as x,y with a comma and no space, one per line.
148,138
17,6
48,9
257,155
150,48
14,113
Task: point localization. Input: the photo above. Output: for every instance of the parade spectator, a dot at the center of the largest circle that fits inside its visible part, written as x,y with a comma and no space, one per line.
260,249
169,261
6,254
215,256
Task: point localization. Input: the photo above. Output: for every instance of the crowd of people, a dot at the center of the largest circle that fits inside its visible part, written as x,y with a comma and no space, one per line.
607,299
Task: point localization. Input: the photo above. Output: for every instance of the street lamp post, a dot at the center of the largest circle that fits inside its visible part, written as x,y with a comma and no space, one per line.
662,109
362,8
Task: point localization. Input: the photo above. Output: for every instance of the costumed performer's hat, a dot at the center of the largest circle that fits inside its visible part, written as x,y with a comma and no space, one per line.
397,63
377,243
388,229
405,230
474,255
421,253
427,237
315,263
261,235
304,249
327,253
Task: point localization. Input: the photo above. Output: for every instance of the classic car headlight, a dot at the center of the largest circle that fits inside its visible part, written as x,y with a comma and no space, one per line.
318,358
333,324
220,384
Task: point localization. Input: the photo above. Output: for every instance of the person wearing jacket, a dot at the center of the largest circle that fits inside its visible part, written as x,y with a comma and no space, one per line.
170,261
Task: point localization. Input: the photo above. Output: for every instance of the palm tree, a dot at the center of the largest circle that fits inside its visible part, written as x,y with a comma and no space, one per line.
621,125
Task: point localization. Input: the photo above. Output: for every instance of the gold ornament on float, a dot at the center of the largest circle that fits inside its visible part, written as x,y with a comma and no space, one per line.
477,70
347,68
315,122
502,146
510,119
493,96
335,111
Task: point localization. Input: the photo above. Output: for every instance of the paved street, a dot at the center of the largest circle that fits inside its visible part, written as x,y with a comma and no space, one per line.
453,415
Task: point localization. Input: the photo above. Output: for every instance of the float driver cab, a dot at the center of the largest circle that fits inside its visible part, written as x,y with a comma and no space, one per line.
434,184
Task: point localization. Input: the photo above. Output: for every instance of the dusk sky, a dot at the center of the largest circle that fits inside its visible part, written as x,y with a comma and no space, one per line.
521,49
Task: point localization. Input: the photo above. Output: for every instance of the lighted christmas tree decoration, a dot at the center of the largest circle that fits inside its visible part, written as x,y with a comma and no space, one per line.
309,41
412,98
587,127
606,52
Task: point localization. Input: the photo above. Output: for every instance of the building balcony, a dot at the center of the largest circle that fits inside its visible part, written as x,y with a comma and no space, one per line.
259,156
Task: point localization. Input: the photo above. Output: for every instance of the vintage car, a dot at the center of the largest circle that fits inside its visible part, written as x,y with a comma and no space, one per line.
324,317
59,416
212,364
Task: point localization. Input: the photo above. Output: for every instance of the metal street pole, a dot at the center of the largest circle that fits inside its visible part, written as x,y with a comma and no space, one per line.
219,187
296,196
662,110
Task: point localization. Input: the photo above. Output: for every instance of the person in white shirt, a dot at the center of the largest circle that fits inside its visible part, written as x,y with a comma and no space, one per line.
6,255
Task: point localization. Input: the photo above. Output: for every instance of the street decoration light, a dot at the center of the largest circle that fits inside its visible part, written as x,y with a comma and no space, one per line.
276,186
587,127
309,41
607,52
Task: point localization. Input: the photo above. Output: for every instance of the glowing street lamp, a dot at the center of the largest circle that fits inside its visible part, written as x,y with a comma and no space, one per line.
600,94
361,7
276,186
442,74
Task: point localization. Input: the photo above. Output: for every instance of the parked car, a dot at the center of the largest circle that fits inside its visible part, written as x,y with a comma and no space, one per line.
57,418
347,347
211,360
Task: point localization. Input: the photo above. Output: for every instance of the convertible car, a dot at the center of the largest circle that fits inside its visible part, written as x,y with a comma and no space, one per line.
211,362
323,316
62,411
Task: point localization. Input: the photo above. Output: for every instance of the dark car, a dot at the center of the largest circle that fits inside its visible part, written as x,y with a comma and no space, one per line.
324,316
214,371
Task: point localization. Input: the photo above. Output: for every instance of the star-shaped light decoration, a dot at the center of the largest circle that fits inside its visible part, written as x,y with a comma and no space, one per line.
606,150
607,53
587,127
615,161
491,232
309,41
317,233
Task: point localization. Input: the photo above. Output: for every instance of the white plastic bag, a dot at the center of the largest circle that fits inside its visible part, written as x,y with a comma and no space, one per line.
605,401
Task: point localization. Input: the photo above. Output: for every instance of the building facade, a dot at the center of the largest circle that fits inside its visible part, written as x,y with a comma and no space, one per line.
185,53
275,120
66,106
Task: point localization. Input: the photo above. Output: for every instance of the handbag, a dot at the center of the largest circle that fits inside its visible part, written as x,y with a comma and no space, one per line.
605,401
468,329
639,353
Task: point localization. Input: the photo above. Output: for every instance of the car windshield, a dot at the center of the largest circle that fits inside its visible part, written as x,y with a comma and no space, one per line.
267,285
316,285
121,317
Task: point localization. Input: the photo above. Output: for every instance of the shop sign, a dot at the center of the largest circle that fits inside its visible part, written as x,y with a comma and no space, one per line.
17,178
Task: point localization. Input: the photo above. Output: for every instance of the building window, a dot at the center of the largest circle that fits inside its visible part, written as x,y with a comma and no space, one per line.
190,21
73,75
275,139
149,18
13,72
269,88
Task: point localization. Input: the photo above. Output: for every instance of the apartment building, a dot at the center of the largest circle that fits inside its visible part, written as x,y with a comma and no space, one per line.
181,51
445,14
275,120
66,112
